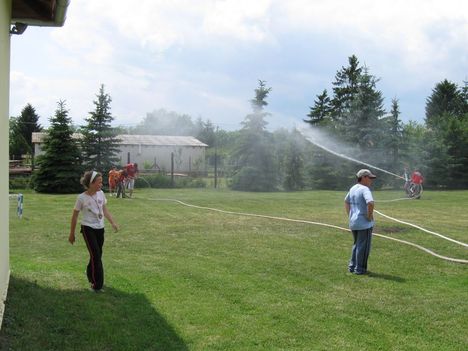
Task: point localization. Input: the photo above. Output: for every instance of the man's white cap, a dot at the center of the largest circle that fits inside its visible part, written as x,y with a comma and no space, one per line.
365,172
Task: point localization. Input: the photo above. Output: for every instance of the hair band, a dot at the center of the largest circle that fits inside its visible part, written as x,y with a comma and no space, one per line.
93,176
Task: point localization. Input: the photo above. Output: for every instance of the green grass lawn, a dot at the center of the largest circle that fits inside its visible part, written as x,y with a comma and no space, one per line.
180,278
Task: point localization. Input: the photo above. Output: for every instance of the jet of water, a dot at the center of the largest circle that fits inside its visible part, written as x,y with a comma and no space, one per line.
312,136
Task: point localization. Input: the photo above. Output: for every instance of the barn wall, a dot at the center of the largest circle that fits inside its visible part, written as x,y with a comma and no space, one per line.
186,158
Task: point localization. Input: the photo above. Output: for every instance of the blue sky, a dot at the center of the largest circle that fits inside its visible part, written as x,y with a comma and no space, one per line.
204,57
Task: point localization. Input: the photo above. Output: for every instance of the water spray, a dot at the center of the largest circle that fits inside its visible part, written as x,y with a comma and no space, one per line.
323,147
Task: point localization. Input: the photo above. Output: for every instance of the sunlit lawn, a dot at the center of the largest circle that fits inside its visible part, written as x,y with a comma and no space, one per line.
180,278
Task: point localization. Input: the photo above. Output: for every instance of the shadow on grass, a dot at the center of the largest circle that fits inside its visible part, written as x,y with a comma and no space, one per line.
39,318
387,277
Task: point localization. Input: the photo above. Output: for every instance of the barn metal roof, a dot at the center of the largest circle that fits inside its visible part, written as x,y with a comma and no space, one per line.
131,139
160,140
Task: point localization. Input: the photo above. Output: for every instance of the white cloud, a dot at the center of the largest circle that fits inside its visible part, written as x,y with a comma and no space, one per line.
192,56
84,36
240,19
400,27
159,25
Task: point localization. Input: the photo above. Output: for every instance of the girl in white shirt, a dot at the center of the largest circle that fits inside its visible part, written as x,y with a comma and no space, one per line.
92,204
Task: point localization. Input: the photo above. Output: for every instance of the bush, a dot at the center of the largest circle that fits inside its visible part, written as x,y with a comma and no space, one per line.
153,181
164,181
188,182
22,182
252,179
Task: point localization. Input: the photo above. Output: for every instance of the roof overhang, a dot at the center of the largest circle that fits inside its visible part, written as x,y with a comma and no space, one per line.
44,13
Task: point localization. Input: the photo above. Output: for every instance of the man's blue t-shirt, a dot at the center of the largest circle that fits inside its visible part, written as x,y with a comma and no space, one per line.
358,197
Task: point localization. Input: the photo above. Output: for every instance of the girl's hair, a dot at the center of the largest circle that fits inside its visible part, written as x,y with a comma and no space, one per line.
86,178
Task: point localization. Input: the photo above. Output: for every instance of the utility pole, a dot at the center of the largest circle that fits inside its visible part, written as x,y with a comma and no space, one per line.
172,169
216,160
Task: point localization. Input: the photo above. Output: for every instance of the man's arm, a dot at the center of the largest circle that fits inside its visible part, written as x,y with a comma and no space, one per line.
370,210
347,207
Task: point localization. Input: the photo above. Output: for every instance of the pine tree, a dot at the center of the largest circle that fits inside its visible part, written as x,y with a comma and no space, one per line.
23,127
60,165
320,113
446,100
362,126
254,160
457,142
17,144
464,95
294,164
346,86
447,138
206,132
395,134
162,122
99,143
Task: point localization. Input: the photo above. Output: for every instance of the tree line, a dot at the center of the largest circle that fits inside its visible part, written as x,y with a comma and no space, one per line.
256,159
354,113
65,157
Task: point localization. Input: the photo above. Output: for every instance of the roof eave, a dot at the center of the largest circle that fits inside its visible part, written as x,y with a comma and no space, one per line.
58,21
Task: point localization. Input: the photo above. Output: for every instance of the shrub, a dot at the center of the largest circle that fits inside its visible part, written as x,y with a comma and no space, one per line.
22,182
164,181
153,181
188,182
252,179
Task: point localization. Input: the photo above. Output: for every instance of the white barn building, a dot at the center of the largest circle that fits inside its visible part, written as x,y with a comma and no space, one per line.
153,151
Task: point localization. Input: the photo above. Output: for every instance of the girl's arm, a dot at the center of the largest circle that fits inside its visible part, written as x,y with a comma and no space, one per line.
74,219
108,215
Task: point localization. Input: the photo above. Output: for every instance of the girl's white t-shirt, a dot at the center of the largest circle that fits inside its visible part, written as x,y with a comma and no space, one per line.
92,209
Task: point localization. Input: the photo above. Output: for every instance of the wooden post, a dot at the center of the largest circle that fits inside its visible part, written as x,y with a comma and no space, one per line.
172,169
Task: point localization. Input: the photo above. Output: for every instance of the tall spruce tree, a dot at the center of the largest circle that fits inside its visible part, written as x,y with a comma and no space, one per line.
446,101
395,134
99,143
60,165
356,111
17,144
320,113
253,158
447,137
464,95
361,126
294,163
345,87
22,128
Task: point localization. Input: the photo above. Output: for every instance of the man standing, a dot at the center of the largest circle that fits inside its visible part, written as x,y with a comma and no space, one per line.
359,205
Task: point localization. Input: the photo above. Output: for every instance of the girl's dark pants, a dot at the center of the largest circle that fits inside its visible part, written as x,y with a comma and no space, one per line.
94,239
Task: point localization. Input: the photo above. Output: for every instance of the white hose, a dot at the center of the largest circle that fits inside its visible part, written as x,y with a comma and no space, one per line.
315,223
400,199
421,228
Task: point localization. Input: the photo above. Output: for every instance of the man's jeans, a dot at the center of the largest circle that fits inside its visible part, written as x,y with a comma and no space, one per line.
361,250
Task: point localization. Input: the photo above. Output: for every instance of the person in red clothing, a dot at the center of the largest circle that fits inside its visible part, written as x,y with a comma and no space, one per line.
415,187
132,174
417,177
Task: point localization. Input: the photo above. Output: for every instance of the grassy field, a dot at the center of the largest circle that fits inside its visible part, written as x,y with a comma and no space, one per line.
180,278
